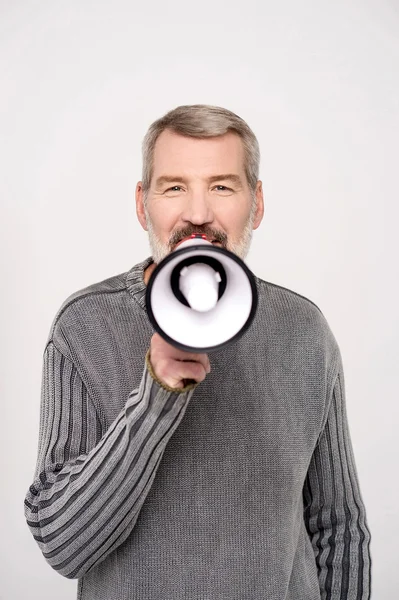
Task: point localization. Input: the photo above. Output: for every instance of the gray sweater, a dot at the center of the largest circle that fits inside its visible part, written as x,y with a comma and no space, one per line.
242,487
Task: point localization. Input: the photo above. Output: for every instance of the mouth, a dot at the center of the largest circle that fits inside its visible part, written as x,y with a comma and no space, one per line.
189,237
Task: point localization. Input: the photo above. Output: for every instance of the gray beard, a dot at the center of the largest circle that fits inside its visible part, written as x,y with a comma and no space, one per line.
160,250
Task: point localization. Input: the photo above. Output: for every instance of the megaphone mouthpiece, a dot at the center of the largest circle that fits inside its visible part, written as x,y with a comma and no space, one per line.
199,284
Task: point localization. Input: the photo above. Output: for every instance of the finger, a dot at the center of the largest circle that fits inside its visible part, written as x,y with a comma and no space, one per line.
173,372
191,370
183,355
198,358
160,345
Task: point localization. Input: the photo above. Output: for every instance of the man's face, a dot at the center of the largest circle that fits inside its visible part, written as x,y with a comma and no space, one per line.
199,185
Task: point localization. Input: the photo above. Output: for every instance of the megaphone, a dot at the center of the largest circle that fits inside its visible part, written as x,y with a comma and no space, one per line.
201,297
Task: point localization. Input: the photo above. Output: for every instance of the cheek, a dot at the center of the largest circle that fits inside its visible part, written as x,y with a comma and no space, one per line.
164,220
233,218
163,216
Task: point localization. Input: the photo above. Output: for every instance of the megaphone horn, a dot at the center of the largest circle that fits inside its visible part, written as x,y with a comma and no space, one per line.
201,297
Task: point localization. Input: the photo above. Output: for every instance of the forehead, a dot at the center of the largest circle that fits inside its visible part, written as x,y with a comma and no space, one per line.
177,153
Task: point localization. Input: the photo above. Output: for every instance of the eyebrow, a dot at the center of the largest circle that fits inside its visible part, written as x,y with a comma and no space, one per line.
172,179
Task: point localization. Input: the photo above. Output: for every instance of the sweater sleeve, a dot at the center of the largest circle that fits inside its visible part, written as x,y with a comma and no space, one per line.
334,513
88,488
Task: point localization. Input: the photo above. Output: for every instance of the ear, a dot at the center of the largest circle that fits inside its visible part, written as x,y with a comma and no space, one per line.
260,207
140,206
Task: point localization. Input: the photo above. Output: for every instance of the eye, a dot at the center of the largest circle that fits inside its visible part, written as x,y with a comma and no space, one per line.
224,188
173,188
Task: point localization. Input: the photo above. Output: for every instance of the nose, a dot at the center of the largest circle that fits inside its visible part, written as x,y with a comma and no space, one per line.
198,210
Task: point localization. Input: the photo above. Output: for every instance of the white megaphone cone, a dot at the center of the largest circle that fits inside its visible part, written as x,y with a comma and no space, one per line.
201,297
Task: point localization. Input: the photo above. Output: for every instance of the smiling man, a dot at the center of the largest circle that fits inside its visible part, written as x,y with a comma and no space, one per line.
239,486
199,185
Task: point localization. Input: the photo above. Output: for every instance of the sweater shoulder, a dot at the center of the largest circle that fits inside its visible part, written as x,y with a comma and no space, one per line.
84,303
295,321
296,316
287,297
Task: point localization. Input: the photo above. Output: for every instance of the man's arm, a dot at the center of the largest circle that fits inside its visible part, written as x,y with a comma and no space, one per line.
89,488
334,512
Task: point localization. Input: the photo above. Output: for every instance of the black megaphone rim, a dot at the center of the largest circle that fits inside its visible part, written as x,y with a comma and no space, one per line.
181,252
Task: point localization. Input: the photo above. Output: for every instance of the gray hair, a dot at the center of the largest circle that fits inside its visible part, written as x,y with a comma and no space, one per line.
201,121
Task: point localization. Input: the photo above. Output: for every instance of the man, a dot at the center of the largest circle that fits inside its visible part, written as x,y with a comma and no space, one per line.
239,486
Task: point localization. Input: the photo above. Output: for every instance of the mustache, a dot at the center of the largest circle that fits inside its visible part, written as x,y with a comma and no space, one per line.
214,235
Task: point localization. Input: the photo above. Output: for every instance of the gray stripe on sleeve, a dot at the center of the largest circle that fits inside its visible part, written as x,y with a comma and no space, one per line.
334,511
87,493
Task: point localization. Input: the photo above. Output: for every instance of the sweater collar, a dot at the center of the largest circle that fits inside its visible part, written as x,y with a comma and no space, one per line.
135,281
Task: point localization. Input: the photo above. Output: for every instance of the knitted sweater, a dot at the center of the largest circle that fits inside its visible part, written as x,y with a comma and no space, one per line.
242,487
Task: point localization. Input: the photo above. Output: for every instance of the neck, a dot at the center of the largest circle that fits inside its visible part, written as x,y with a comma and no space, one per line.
147,272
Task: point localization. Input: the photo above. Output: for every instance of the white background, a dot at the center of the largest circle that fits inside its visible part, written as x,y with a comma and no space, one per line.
317,81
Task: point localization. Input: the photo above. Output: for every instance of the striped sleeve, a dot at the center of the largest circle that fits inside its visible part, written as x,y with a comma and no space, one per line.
334,512
89,487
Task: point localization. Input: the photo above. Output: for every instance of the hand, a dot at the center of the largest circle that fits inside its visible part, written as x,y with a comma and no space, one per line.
174,367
